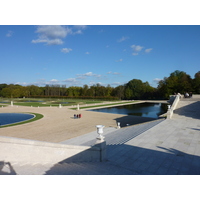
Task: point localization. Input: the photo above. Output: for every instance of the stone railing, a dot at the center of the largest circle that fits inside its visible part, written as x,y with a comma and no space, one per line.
174,101
31,151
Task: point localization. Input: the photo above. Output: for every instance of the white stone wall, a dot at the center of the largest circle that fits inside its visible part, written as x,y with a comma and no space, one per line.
29,151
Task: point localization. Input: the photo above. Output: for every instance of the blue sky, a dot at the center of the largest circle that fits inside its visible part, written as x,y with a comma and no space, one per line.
106,54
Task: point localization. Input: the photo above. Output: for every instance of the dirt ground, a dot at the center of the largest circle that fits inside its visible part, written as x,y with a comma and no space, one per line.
58,124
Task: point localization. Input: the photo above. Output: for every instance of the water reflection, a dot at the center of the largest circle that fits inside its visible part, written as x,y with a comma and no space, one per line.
152,110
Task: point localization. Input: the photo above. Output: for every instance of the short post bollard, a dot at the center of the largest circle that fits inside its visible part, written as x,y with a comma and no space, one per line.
118,125
100,131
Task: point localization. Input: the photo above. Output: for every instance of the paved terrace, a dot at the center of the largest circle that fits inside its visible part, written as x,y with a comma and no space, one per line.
161,147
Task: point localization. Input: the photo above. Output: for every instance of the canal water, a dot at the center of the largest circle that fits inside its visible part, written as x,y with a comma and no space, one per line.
10,118
152,110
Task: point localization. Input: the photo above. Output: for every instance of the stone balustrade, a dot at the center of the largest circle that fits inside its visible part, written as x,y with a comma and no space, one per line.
31,151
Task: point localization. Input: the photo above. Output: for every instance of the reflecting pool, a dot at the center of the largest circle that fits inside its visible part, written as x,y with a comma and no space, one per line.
11,118
152,110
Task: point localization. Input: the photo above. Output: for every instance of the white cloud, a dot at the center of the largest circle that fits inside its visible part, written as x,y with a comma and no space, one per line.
120,60
42,82
87,53
88,74
80,29
72,81
116,84
56,41
53,80
94,83
9,34
116,73
148,50
136,48
55,31
122,39
66,50
113,73
156,80
52,35
78,32
22,83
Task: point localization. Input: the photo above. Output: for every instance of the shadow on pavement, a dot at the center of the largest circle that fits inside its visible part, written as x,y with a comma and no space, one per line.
6,168
132,120
152,162
192,110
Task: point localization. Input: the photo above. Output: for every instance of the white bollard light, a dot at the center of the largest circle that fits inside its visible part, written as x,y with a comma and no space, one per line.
118,125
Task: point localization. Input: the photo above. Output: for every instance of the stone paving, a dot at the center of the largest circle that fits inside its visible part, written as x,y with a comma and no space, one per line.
171,147
168,147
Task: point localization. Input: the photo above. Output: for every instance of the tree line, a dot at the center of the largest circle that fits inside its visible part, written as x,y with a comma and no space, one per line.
177,82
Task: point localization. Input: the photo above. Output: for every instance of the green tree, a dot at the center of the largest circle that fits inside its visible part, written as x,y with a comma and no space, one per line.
119,91
196,83
177,82
135,89
34,90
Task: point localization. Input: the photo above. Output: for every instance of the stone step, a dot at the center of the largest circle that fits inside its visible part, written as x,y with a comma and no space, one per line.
120,136
123,135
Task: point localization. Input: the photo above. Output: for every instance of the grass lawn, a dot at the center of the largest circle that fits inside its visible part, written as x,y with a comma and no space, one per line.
39,102
48,102
111,104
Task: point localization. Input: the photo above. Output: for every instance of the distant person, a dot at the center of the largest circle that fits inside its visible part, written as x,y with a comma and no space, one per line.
190,94
186,95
